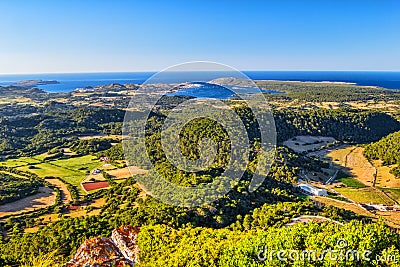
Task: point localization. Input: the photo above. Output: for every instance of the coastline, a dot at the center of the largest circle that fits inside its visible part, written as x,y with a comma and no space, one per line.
68,82
322,82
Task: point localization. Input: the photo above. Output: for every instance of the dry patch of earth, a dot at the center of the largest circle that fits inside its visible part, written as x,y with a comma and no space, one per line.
126,172
343,205
353,162
383,176
45,197
360,167
88,137
308,143
65,194
339,156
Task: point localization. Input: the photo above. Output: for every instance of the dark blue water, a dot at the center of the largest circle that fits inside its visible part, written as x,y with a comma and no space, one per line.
207,90
71,81
202,90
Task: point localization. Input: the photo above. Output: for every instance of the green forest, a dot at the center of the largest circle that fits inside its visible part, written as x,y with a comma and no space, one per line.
13,188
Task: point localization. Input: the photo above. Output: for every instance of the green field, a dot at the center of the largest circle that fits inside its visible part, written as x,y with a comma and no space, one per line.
392,192
83,163
72,170
365,195
19,162
47,169
352,183
41,156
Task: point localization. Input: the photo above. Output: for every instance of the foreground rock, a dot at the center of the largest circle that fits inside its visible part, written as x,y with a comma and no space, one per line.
125,238
119,250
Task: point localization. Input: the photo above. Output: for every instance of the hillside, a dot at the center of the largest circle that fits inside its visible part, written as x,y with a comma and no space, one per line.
387,150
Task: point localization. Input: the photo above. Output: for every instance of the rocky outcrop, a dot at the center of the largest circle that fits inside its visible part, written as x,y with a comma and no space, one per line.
125,238
33,83
119,250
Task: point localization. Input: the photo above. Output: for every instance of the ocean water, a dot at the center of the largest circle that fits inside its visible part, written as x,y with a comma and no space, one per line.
71,81
207,90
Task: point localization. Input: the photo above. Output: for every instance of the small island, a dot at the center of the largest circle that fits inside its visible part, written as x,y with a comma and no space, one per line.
33,83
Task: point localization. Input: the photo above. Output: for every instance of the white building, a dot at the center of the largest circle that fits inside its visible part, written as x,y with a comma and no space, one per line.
96,171
312,190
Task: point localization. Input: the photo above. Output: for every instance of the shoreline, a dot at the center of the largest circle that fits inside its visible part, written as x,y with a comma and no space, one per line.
68,86
321,82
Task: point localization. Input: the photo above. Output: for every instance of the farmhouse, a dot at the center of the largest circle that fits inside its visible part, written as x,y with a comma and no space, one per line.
96,171
311,190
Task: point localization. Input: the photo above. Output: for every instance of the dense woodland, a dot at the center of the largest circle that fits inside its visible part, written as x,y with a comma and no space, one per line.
85,147
165,246
345,125
13,188
52,126
113,153
327,92
57,126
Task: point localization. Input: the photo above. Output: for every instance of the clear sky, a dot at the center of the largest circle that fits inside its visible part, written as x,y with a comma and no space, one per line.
93,35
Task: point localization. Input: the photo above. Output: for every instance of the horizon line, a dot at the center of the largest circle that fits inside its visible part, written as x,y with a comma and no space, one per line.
153,71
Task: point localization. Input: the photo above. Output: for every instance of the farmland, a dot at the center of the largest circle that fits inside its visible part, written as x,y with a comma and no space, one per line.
95,185
125,172
351,182
365,195
73,170
352,161
44,198
383,176
308,143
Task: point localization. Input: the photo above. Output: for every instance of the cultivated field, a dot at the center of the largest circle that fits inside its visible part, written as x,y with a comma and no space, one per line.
82,163
126,172
23,161
360,167
45,197
88,137
367,195
72,170
65,194
82,211
393,193
353,162
308,143
343,205
360,183
391,107
383,176
95,185
338,156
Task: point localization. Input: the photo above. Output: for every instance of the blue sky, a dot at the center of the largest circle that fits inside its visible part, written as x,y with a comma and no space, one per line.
89,36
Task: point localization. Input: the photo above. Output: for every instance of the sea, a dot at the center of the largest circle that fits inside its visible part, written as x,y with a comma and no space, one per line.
70,81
